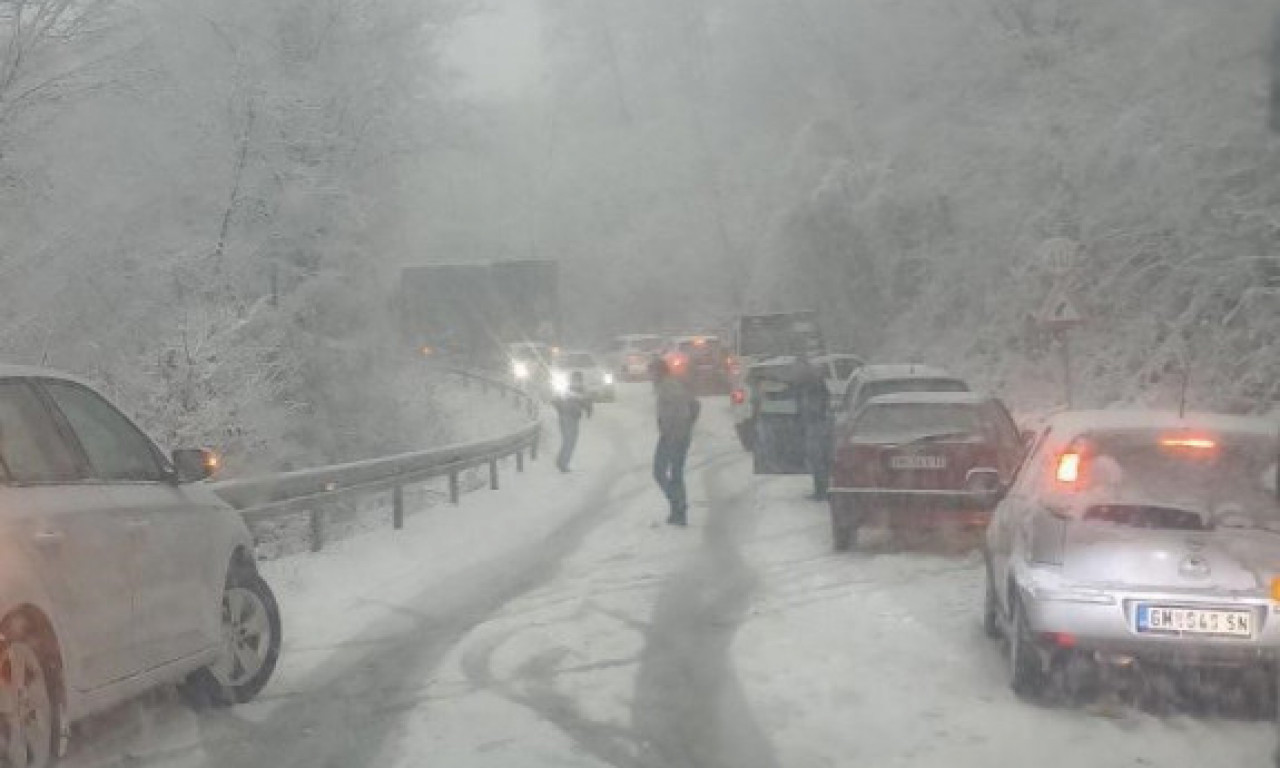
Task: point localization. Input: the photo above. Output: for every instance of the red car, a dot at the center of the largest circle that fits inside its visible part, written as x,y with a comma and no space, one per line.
920,461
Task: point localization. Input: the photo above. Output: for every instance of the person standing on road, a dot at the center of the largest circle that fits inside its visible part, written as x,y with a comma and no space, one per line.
813,401
678,409
570,407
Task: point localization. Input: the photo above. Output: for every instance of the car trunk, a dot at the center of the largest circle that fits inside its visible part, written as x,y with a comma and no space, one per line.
1106,554
935,465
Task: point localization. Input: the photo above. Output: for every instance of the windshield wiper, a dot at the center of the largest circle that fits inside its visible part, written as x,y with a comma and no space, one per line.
936,437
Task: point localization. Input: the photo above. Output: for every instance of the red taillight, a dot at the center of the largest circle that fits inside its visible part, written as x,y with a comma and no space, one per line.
737,397
1059,639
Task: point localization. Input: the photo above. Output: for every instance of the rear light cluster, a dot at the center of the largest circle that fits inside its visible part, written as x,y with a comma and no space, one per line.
737,397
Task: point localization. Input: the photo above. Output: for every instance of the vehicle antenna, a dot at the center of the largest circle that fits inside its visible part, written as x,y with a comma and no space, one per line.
1182,396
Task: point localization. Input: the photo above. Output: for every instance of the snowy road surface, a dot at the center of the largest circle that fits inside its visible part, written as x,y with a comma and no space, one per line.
557,623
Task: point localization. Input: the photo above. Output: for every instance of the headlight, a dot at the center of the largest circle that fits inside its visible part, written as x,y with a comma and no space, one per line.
559,382
608,379
520,369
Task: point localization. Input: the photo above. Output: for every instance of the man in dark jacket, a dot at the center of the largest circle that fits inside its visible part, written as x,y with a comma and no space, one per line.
678,409
570,407
813,401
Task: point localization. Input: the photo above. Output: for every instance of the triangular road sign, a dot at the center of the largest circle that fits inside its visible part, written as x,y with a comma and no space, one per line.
1060,312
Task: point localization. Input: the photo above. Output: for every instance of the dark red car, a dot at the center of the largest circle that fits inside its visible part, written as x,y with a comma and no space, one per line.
919,461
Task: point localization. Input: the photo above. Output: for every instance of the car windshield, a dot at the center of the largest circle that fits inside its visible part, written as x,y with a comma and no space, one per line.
905,421
1227,479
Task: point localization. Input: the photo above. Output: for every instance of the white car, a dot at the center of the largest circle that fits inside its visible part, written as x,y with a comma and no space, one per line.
632,354
122,571
597,381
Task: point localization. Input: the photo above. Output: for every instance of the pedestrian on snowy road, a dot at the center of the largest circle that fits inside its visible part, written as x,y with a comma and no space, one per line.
570,407
678,409
813,402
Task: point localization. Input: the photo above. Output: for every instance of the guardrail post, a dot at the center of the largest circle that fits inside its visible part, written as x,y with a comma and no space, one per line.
317,529
519,461
397,507
493,474
453,488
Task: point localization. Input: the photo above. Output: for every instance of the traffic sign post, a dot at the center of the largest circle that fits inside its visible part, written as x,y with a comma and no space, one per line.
1059,315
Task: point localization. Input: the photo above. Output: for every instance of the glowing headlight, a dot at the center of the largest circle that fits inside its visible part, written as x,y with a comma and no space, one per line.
608,379
520,369
559,382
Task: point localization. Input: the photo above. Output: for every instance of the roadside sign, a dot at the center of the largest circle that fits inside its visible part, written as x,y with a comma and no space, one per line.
1059,312
1059,255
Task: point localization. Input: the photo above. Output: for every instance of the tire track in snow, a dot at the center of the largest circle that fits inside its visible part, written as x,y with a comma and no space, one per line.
690,709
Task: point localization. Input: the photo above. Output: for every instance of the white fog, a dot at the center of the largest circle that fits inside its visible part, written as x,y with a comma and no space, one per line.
649,384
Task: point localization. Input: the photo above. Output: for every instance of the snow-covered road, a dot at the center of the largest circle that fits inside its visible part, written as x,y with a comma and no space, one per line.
558,623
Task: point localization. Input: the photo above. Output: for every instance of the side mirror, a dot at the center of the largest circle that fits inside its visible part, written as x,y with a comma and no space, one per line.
191,465
984,480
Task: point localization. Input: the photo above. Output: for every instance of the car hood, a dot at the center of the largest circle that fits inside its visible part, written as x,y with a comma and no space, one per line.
1232,560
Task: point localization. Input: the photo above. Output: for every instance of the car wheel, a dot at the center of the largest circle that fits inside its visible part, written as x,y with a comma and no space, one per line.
746,435
30,718
250,644
1026,673
990,609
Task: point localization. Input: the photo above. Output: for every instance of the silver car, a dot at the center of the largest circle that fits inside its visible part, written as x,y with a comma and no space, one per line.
1138,540
122,572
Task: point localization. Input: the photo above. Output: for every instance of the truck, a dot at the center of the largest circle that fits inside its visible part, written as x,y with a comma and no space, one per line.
470,312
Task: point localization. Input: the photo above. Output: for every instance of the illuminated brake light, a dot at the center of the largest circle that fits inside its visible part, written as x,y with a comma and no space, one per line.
1200,443
737,397
1069,468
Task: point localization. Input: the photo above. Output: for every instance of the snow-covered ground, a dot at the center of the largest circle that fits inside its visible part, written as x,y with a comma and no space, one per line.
558,623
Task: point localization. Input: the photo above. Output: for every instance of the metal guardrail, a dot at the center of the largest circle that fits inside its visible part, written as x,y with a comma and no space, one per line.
313,491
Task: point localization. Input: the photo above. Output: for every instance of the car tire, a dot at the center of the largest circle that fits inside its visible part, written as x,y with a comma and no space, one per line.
844,534
27,656
746,435
990,609
251,644
1026,672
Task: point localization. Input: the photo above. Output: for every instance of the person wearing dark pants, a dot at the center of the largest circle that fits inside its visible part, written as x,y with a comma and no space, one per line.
570,408
678,410
813,401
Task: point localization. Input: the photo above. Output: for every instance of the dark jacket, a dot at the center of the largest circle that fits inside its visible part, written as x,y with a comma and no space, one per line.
678,409
571,406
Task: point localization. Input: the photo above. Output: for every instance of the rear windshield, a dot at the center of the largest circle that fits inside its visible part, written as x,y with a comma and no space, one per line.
915,420
578,360
894,386
1226,480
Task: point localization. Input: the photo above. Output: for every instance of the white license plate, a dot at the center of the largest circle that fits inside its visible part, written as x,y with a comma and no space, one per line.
917,462
1193,621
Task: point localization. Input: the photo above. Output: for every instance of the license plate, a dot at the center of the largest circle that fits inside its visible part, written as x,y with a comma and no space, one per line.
1161,619
917,462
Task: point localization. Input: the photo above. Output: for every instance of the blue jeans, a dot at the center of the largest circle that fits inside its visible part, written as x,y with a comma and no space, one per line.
668,470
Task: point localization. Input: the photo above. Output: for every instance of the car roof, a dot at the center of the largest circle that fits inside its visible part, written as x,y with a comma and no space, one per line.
570,352
931,398
835,356
1071,423
35,372
903,371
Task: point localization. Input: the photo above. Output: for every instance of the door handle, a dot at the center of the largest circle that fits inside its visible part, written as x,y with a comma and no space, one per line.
49,539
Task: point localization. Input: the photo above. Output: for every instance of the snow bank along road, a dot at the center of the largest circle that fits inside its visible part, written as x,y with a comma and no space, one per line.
557,623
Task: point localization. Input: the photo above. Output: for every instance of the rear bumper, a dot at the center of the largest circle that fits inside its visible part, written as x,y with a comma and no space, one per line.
1104,625
909,497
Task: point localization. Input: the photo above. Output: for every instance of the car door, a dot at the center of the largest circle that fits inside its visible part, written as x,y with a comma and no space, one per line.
76,544
1011,512
169,532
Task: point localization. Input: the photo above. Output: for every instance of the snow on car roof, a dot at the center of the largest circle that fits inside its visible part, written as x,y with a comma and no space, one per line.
1078,422
930,398
31,371
901,371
